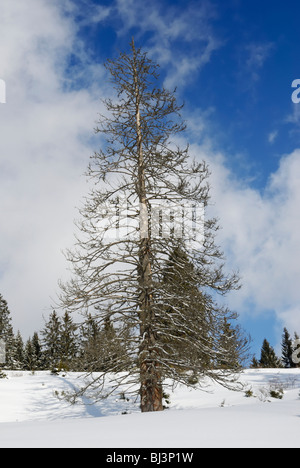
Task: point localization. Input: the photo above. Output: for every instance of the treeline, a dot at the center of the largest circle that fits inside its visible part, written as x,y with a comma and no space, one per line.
290,353
92,346
61,345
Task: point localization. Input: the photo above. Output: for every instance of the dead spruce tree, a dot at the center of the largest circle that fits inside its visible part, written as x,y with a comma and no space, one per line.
144,205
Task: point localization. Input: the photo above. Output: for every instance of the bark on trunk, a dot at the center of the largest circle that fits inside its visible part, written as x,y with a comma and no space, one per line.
151,388
151,385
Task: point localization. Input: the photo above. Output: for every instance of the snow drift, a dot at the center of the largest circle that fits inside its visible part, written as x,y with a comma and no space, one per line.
32,415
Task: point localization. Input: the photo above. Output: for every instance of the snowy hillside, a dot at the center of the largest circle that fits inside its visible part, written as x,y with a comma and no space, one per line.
31,415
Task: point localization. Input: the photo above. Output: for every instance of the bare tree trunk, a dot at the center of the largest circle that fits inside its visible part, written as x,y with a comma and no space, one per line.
151,385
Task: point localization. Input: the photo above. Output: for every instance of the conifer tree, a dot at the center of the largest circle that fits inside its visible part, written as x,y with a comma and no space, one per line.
33,357
268,357
223,344
18,352
141,166
287,350
101,347
188,301
37,351
68,343
29,356
233,346
90,345
254,363
51,341
6,332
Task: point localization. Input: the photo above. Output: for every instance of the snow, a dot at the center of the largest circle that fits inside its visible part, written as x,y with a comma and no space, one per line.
32,416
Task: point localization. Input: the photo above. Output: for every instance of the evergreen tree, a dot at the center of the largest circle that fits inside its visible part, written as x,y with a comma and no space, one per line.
52,341
268,357
68,343
102,346
6,332
113,353
18,352
210,343
287,350
254,363
37,351
33,359
233,346
90,345
29,356
139,163
188,301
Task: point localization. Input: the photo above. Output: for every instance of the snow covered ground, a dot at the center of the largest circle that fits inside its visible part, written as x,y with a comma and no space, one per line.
32,416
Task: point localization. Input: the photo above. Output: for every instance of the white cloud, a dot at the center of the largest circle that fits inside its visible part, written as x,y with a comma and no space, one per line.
256,55
272,136
46,124
251,59
44,150
191,28
260,236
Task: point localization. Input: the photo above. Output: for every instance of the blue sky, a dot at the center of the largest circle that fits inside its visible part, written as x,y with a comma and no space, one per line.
244,80
233,63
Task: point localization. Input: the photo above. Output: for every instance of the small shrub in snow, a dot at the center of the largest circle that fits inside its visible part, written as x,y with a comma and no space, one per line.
276,394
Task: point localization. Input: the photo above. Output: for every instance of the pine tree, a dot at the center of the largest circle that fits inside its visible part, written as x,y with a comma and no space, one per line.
51,341
33,358
210,343
37,351
101,348
287,350
254,363
233,346
268,357
139,163
18,352
6,332
68,343
90,345
29,356
189,302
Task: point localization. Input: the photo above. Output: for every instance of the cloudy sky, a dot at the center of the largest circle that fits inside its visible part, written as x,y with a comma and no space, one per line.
233,64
